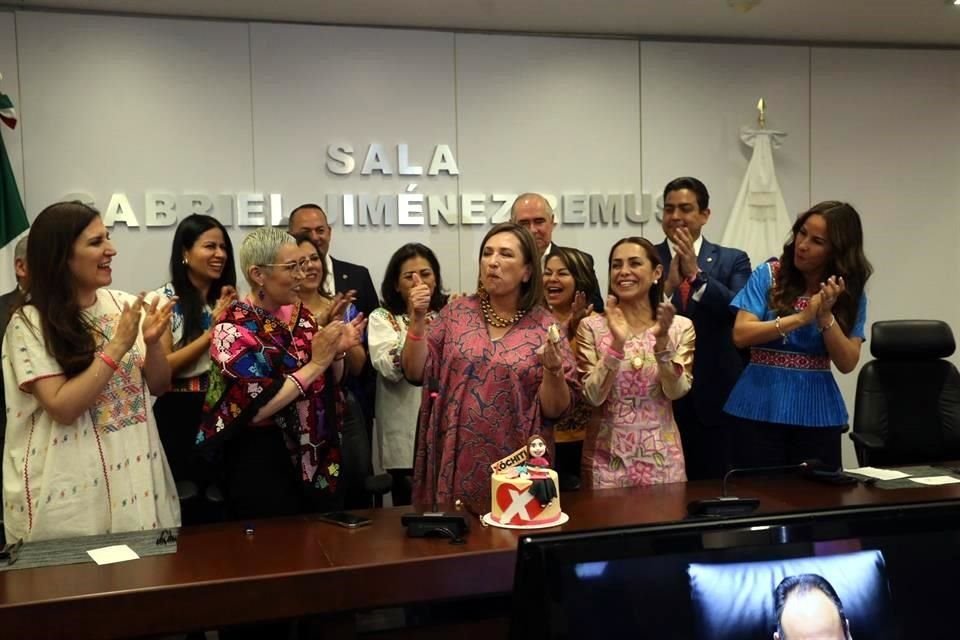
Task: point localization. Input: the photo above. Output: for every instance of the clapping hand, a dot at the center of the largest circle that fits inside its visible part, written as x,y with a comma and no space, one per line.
323,347
227,295
578,311
665,314
156,322
617,323
352,334
341,302
128,325
829,292
686,254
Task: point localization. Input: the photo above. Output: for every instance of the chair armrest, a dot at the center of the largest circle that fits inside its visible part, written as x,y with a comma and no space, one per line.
868,440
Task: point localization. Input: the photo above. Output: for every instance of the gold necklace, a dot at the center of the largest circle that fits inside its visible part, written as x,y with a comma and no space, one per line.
495,320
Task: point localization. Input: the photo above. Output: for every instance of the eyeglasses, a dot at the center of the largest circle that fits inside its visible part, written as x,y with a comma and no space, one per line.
289,267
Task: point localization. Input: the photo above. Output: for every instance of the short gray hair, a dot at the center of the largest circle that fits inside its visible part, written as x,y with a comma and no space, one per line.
20,250
260,247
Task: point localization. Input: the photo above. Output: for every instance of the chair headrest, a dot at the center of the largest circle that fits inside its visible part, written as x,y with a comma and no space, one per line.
911,340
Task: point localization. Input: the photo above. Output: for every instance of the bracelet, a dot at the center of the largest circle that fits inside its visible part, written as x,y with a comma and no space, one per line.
110,361
340,356
833,321
616,354
557,372
293,378
412,336
783,335
665,356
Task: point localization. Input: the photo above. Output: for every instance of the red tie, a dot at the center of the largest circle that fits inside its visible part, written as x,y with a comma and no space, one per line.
684,293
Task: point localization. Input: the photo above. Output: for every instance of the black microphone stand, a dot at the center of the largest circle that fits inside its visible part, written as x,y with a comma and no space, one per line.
727,506
436,523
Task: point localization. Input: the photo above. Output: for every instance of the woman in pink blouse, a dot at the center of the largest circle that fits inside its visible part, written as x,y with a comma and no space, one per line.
634,361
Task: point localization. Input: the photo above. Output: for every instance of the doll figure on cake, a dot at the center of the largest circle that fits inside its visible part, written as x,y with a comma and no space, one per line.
535,467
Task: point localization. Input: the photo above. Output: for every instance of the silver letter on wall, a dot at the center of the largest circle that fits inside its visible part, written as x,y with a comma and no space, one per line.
161,209
443,161
119,210
339,159
250,209
376,161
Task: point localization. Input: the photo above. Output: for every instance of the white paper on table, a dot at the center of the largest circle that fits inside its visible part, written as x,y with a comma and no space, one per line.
936,480
879,474
116,553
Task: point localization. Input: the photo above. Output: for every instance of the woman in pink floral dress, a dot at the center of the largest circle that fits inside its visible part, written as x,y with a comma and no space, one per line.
634,361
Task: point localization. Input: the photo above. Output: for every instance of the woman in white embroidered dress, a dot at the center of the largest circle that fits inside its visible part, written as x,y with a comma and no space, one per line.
82,454
398,401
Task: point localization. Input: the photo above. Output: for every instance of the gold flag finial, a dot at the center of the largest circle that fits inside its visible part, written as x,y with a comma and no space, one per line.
762,113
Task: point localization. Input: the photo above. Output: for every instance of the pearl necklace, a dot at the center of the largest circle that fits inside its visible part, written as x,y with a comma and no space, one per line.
495,320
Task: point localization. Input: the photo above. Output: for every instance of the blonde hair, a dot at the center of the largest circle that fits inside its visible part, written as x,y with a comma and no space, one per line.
260,247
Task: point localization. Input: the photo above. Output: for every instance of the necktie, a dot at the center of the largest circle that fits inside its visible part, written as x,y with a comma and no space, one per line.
684,289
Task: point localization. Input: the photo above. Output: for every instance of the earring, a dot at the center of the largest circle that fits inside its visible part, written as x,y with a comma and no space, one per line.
185,261
261,294
656,281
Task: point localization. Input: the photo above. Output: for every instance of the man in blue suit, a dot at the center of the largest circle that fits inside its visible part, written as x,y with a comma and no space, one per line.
701,280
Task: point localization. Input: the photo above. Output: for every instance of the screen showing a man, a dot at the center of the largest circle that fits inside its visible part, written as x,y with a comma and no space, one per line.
808,608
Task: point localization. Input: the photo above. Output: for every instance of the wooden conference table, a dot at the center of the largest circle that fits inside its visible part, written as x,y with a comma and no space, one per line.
292,567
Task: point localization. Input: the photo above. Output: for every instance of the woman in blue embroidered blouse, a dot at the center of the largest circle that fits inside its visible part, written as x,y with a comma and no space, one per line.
798,314
203,282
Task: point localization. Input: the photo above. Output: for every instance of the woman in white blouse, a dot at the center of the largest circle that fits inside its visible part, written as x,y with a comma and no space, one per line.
398,401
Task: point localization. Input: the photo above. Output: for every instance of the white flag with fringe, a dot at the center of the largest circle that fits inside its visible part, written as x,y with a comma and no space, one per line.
759,222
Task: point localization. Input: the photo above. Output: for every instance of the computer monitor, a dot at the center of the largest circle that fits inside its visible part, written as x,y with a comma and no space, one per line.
893,571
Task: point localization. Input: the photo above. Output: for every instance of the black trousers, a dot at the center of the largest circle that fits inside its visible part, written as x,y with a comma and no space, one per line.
178,418
767,444
707,448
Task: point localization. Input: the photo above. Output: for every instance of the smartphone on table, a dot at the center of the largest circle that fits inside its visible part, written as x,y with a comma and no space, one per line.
344,519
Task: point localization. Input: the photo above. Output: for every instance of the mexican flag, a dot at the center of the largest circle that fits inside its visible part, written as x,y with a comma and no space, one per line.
13,217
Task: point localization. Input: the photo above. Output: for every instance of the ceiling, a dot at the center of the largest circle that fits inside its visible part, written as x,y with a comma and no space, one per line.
919,22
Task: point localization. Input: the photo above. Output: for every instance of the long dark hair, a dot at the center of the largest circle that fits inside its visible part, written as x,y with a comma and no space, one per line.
190,302
68,335
390,297
656,290
847,260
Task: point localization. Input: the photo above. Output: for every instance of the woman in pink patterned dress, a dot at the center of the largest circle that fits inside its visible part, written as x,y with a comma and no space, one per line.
492,376
634,361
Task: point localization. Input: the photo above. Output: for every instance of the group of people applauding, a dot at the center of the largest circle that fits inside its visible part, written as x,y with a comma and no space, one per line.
687,364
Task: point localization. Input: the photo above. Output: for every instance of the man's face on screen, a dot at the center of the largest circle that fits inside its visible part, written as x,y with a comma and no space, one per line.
811,615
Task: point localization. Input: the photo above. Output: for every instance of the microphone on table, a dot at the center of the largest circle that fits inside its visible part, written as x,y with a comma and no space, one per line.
436,523
727,506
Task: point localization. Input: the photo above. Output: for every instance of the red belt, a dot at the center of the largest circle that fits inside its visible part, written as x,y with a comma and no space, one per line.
789,360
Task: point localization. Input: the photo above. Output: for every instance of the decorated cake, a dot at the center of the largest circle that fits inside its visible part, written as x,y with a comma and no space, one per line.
524,490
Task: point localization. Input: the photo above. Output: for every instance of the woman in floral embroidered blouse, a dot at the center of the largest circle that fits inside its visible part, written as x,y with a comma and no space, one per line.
265,409
398,401
798,315
635,360
82,454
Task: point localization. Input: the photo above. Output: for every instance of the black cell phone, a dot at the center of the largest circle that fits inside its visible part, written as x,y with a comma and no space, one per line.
831,477
344,519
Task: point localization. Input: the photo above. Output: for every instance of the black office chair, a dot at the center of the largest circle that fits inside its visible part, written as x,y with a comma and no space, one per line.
362,489
907,407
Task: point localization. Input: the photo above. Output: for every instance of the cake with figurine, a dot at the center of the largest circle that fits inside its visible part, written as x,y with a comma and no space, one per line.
524,490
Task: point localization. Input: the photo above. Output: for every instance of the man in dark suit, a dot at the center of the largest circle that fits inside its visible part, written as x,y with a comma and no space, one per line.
531,210
342,277
701,279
